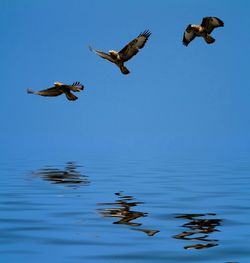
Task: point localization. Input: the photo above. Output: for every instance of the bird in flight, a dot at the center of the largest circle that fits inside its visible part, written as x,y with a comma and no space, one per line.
204,30
59,89
125,53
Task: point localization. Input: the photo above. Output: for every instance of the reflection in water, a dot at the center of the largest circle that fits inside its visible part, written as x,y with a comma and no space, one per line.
147,231
69,176
124,213
199,230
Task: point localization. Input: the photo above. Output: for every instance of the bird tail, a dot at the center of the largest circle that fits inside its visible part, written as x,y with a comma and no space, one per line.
29,91
70,96
124,70
209,39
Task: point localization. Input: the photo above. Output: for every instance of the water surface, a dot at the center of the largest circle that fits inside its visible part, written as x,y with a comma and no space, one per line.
125,211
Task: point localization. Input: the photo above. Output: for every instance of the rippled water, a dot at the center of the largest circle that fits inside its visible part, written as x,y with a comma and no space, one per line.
125,211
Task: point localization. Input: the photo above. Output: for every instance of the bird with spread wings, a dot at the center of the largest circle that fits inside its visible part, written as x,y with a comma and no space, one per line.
59,89
204,30
126,53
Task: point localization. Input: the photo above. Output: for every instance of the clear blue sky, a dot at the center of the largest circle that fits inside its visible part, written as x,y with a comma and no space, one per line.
176,101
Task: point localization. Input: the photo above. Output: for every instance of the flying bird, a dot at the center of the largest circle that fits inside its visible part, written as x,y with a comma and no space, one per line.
204,30
125,53
59,89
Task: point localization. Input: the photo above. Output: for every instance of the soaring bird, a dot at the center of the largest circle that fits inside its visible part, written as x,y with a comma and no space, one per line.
125,53
58,89
204,30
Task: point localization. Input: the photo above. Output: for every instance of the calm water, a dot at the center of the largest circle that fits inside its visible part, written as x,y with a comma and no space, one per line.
125,211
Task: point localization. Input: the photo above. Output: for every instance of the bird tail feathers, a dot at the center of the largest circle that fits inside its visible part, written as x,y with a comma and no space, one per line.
70,96
209,39
124,70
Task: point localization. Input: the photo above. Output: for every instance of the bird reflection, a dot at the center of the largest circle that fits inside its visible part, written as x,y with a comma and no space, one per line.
147,231
200,228
69,176
123,211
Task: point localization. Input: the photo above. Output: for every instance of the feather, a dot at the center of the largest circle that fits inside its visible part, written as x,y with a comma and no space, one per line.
51,92
210,23
102,54
203,30
126,52
188,35
132,48
59,89
69,95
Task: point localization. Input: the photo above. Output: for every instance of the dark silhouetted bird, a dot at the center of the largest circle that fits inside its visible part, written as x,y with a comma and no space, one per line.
126,53
59,89
204,30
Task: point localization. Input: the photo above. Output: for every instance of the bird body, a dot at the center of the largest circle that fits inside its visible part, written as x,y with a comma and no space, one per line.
126,53
204,30
59,89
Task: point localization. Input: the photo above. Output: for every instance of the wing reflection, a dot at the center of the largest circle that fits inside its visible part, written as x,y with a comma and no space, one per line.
200,228
124,213
69,176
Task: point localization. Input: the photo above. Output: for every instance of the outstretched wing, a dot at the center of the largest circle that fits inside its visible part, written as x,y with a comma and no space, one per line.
188,35
102,54
76,86
77,83
51,92
210,23
133,47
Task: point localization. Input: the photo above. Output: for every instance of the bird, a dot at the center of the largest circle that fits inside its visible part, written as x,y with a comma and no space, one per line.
126,53
59,89
204,30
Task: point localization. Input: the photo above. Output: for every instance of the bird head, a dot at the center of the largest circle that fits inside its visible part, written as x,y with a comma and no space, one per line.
113,53
58,84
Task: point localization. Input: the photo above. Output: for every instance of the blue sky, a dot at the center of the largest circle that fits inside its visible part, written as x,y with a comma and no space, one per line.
176,101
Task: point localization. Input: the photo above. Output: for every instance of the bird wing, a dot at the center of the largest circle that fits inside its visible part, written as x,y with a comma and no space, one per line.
188,35
76,86
102,54
51,92
210,23
133,46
